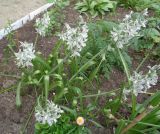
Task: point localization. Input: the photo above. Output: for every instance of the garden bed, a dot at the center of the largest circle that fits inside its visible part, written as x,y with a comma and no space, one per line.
12,120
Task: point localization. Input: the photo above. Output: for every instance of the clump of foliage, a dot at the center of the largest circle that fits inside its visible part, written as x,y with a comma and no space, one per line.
150,38
99,38
96,7
141,4
52,20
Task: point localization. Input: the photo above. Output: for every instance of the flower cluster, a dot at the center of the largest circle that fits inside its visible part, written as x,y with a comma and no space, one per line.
42,24
128,29
48,114
141,83
75,38
25,55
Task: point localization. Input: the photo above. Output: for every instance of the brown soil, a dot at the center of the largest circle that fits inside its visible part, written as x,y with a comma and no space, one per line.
12,120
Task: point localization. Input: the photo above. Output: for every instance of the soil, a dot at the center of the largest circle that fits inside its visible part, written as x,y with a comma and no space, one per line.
15,9
12,120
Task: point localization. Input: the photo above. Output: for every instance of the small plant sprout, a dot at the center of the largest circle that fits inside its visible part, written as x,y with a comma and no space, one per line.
48,114
75,38
128,29
141,83
80,121
42,24
9,27
25,55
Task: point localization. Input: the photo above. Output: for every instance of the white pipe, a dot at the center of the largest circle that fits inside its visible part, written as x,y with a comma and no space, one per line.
19,23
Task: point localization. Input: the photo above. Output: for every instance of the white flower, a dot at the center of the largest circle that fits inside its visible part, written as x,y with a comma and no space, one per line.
138,83
49,114
75,38
141,83
128,29
145,12
126,92
42,24
152,76
25,55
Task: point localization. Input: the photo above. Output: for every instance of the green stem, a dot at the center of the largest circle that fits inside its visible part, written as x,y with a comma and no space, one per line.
76,64
129,82
8,89
11,49
73,66
56,67
9,75
86,64
133,104
46,84
18,95
144,59
36,40
124,65
29,118
99,94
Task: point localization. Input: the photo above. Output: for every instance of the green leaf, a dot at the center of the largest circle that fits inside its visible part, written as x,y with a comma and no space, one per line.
51,1
121,125
18,95
83,9
153,100
83,68
105,7
79,92
96,124
93,4
72,111
95,71
60,66
41,64
46,84
57,76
